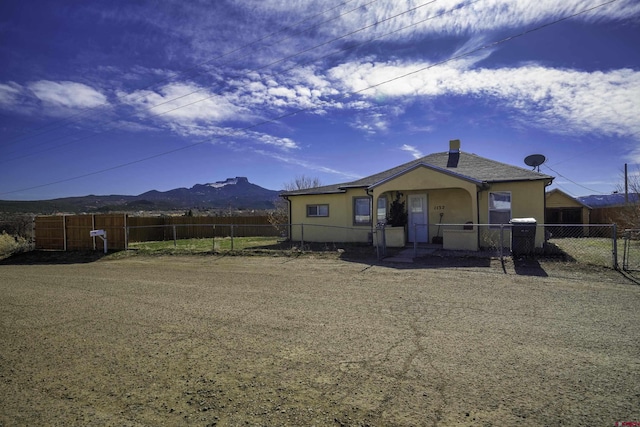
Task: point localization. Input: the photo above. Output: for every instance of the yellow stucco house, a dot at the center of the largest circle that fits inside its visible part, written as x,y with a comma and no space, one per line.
563,209
452,187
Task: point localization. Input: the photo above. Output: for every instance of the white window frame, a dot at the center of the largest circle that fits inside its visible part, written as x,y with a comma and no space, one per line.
500,210
383,209
355,210
322,210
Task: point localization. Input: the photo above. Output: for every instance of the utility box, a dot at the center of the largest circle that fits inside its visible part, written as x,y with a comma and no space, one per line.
523,236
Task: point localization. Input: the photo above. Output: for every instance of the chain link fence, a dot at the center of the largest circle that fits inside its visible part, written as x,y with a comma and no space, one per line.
586,244
631,250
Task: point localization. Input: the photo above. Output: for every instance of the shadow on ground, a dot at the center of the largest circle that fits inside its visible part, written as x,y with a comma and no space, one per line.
52,258
528,267
452,262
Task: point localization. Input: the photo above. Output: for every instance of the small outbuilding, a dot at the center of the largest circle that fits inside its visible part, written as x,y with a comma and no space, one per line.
562,209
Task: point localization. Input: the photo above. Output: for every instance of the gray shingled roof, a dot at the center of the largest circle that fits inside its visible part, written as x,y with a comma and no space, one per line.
468,166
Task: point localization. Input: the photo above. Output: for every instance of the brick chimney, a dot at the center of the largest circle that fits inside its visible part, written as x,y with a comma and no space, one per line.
454,153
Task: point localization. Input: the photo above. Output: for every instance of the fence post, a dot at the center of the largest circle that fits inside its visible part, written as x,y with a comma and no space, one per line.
615,246
126,233
501,242
232,237
64,232
175,241
93,227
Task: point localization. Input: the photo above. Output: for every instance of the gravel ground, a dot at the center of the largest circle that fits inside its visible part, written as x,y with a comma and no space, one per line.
266,341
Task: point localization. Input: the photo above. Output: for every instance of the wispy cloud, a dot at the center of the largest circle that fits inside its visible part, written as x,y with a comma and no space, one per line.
412,150
562,100
50,98
184,103
67,94
9,93
300,162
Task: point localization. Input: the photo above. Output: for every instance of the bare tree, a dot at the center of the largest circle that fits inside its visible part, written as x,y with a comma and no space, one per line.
628,215
280,214
302,182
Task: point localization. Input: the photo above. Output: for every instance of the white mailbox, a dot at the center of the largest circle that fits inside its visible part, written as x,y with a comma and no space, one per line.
101,234
95,233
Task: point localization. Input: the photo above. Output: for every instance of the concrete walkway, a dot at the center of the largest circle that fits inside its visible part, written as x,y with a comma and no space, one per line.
406,255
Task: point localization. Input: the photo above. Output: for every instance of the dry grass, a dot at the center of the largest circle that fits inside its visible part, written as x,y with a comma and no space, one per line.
10,245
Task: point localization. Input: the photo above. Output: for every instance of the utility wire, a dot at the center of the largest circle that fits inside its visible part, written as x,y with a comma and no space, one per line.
81,114
295,112
253,70
572,181
355,46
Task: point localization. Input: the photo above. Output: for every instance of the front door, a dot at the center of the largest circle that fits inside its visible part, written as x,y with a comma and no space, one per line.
418,229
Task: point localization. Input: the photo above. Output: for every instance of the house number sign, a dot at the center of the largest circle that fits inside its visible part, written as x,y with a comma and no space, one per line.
438,208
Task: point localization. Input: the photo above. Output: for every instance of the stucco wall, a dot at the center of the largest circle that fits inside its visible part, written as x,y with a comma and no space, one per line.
452,196
455,204
527,201
422,178
337,227
559,200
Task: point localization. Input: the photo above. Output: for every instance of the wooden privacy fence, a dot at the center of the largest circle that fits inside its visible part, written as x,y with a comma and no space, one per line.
71,232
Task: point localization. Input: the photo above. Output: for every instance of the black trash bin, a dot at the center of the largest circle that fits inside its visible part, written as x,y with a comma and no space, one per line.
523,236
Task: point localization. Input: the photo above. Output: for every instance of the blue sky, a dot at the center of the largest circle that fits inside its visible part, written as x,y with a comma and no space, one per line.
121,97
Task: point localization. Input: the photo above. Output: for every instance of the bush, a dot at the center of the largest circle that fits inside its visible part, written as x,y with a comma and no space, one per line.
10,245
20,225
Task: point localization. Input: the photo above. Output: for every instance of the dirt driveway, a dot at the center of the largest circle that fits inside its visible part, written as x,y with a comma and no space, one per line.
203,340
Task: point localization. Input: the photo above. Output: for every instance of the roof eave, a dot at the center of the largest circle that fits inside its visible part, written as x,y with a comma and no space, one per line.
428,166
311,193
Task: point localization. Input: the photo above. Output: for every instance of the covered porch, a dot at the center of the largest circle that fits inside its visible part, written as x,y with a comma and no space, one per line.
429,197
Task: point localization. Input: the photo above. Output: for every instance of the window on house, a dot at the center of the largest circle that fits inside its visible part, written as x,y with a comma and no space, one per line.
500,207
361,211
382,209
317,210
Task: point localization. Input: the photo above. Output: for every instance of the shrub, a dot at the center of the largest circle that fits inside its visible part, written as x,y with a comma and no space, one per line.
10,245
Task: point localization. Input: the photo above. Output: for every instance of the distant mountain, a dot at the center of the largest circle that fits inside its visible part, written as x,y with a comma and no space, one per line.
605,200
234,193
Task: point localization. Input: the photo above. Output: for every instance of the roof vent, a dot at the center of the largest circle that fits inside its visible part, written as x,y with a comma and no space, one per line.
454,153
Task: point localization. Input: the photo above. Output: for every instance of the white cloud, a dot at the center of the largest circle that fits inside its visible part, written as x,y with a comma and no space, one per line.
184,103
308,165
561,100
9,93
67,94
412,150
418,19
232,136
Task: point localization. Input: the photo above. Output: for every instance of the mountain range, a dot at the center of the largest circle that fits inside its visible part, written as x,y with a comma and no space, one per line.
233,193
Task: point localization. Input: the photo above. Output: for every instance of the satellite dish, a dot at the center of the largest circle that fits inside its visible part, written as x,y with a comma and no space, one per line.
535,160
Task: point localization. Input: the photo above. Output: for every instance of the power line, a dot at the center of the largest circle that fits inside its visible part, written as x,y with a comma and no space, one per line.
257,69
83,113
572,181
295,112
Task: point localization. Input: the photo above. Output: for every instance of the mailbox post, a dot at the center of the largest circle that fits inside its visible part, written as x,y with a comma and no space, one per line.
102,234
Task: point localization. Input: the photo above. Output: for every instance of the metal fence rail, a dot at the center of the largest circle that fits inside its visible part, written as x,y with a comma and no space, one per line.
594,244
631,250
213,231
588,244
